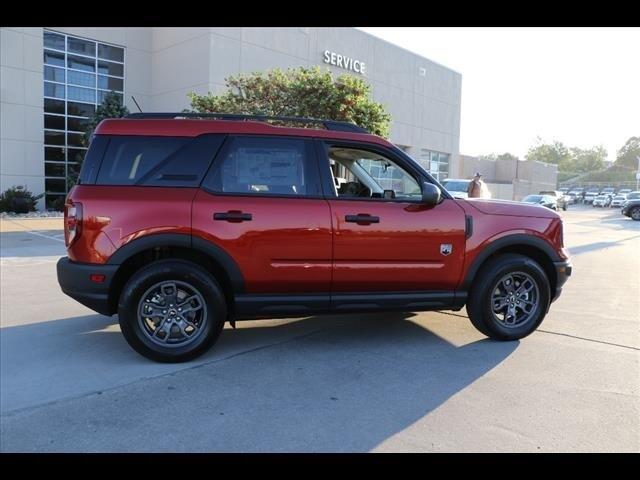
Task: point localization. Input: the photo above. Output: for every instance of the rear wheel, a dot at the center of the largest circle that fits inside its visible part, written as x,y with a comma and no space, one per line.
171,311
510,297
635,213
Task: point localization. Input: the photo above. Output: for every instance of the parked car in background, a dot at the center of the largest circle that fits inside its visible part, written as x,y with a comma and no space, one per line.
618,200
457,187
576,194
562,200
564,190
542,200
631,208
633,195
602,201
608,191
591,195
624,191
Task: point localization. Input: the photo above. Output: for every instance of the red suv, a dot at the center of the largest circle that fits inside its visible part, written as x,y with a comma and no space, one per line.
180,223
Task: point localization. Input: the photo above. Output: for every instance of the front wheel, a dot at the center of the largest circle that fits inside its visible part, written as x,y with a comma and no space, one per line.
509,298
635,213
171,311
564,207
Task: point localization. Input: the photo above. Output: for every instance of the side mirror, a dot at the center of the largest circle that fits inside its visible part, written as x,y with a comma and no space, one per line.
430,194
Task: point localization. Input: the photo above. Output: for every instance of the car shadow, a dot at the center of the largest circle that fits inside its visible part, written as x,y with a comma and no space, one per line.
590,247
336,383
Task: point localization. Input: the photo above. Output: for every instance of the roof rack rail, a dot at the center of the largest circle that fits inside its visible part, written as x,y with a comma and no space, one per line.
328,124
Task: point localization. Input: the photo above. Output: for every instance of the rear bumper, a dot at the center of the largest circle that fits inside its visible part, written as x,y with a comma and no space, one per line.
563,272
75,281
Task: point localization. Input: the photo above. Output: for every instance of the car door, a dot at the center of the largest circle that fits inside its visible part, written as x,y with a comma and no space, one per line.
385,238
261,202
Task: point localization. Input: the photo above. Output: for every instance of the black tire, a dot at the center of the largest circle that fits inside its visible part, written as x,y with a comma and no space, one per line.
188,274
479,303
564,207
634,213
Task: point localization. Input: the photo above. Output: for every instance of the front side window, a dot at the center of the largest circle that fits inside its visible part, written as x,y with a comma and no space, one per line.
268,166
366,174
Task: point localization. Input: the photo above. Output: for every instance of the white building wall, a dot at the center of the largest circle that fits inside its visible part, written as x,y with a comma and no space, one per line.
21,109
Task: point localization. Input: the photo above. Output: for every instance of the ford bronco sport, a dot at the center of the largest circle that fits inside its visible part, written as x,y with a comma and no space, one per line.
182,222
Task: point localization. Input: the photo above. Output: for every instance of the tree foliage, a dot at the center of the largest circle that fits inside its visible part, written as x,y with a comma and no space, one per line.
502,156
572,159
628,155
555,152
111,107
299,92
589,160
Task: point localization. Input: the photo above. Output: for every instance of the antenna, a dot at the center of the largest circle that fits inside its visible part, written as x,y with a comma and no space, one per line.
134,101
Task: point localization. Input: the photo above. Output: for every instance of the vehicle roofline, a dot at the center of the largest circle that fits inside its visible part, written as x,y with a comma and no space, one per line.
194,128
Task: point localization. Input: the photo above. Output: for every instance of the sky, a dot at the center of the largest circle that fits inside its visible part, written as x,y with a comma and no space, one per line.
580,86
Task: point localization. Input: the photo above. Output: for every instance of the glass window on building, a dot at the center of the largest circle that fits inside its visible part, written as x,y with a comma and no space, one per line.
78,73
436,163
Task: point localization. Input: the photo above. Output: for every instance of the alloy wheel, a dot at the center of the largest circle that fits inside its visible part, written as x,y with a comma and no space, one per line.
172,313
514,299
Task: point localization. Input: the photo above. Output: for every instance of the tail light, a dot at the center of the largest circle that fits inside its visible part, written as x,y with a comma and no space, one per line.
72,222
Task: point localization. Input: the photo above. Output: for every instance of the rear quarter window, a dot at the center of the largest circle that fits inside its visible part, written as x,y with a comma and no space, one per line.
157,161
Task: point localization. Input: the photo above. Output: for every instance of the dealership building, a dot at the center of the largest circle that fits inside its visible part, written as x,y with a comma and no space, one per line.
53,78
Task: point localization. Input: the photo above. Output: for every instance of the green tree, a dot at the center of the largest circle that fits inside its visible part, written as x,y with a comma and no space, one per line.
589,160
502,156
299,92
628,155
555,152
111,107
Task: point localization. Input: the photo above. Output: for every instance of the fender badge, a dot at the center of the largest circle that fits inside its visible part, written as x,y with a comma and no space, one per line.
446,249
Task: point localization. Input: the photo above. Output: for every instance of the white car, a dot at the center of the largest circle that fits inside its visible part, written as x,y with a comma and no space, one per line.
618,200
601,201
457,187
590,196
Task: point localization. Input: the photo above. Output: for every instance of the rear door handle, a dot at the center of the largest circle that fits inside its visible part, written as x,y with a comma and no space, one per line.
362,219
233,216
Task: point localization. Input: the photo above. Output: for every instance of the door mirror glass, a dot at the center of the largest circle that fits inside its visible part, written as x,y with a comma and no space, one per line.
430,194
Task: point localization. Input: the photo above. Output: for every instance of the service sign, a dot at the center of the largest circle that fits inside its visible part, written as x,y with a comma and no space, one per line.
342,61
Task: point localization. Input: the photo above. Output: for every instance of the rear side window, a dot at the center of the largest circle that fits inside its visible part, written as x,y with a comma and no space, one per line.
158,161
265,166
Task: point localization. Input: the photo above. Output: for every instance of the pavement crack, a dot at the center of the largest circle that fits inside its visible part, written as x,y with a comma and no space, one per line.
588,339
561,334
11,413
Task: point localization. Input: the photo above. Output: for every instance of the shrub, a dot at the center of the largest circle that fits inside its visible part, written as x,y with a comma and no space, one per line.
18,199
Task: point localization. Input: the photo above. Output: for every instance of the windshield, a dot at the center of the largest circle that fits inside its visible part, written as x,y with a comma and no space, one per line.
455,185
633,195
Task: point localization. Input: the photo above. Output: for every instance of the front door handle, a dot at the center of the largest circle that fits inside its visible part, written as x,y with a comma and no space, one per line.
362,219
233,216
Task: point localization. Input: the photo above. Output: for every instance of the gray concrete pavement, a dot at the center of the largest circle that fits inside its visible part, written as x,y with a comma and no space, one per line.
414,382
